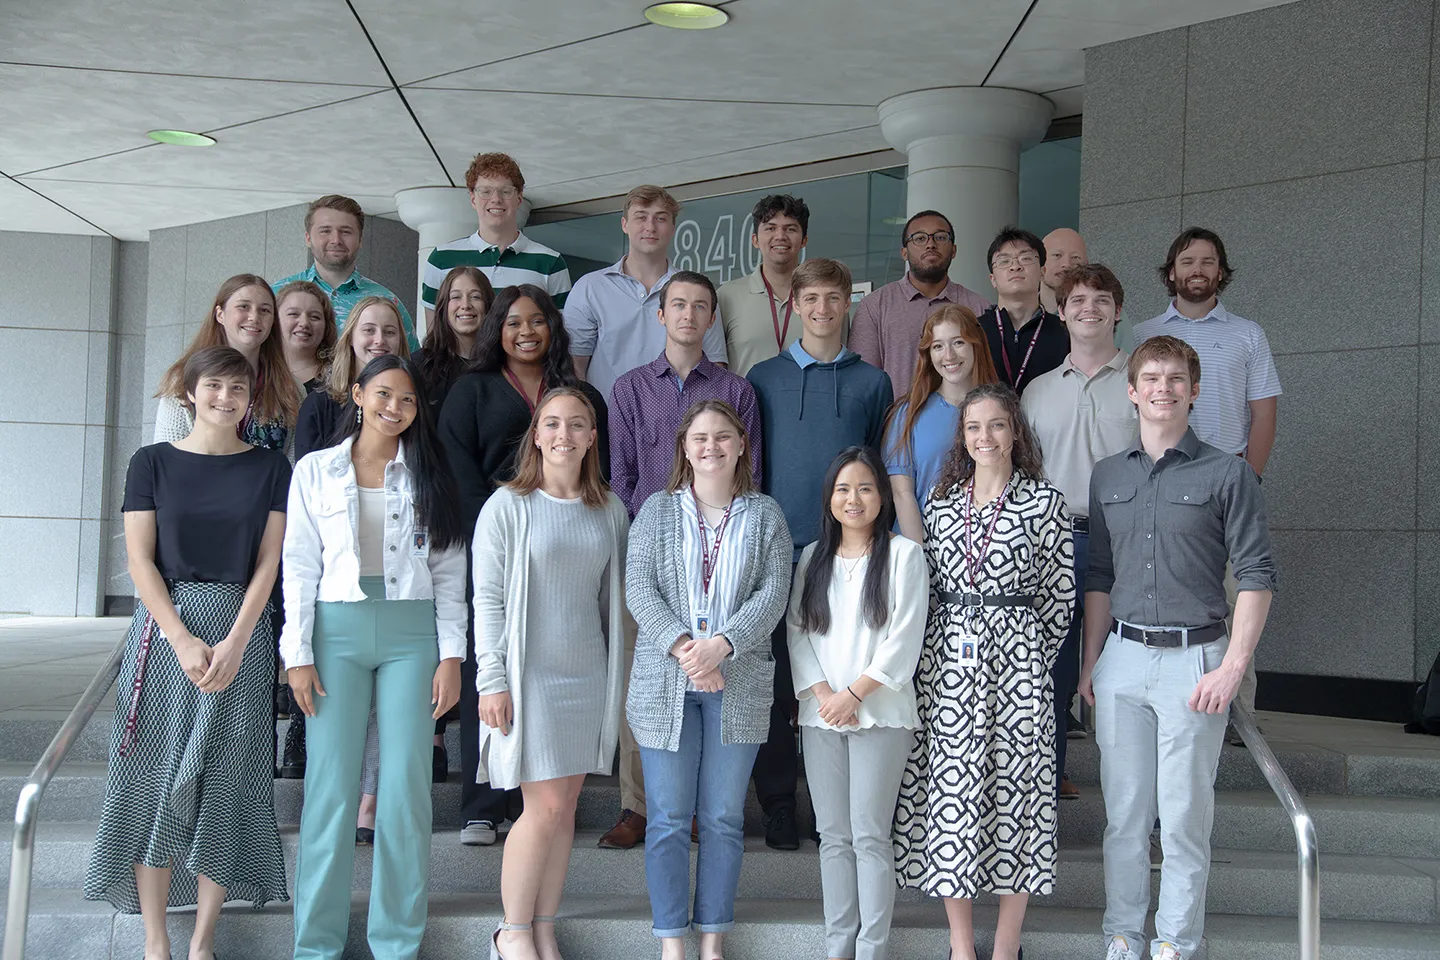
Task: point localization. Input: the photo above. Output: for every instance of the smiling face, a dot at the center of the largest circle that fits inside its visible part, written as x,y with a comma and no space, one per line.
564,432
649,227
247,317
713,446
525,333
302,322
780,240
466,306
1090,315
220,399
951,354
687,313
334,239
1163,391
822,310
497,204
388,403
377,333
855,499
989,435
1196,273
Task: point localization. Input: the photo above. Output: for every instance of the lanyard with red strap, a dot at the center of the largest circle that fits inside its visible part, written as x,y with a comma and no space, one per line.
709,555
132,719
780,333
515,382
1010,373
975,560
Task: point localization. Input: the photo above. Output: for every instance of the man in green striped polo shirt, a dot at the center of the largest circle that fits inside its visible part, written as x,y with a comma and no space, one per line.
334,227
498,248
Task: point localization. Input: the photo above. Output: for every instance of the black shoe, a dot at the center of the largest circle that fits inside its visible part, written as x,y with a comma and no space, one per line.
292,766
365,836
439,765
781,830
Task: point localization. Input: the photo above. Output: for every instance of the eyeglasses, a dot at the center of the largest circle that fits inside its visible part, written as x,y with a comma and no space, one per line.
941,237
1004,260
496,193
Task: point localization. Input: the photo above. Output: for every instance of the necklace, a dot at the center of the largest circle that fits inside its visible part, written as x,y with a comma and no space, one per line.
848,567
707,503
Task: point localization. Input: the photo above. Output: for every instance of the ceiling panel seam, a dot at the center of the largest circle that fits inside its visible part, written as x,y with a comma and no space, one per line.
626,96
189,76
399,93
57,203
1003,50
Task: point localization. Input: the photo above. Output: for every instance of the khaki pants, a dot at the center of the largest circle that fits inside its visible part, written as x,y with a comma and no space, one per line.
1245,696
632,776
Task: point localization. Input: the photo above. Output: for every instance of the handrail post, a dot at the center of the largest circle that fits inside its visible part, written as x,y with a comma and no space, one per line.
27,807
1307,849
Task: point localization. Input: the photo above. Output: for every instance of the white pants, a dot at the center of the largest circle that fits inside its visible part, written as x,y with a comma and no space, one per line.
854,780
1157,756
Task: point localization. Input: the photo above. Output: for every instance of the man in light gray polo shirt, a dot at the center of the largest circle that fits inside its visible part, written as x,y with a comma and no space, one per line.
610,315
1081,413
1166,516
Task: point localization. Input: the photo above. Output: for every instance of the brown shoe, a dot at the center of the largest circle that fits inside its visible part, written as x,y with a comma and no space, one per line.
694,830
628,831
1068,790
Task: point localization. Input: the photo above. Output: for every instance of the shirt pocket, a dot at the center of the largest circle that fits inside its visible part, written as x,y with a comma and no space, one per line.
332,519
1122,514
1187,511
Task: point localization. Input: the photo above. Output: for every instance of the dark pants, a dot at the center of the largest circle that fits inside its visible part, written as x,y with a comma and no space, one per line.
1066,673
777,767
478,801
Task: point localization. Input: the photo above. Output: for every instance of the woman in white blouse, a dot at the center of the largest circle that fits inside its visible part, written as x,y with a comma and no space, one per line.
856,626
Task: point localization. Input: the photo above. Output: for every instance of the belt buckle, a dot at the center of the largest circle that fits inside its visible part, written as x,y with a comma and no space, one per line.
973,599
1145,636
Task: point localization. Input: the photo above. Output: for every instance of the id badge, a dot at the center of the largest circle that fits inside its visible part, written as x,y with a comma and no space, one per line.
701,625
420,545
968,650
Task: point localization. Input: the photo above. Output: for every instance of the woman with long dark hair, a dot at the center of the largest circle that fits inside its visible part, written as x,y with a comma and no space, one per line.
549,551
188,815
856,624
997,540
461,303
374,601
521,351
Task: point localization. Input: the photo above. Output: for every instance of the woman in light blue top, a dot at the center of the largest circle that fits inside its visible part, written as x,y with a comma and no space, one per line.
953,359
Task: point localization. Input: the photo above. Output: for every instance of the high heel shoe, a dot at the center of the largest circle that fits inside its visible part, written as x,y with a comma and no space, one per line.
542,919
495,953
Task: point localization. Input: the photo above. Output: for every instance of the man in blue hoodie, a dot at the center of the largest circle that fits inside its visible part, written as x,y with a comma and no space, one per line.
816,399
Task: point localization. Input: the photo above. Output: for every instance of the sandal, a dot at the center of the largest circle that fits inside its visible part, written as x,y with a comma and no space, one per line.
495,953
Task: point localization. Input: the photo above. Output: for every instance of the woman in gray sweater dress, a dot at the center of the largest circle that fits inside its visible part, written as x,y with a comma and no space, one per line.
548,551
708,575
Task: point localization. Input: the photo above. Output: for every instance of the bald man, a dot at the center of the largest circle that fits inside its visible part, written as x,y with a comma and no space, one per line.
1064,248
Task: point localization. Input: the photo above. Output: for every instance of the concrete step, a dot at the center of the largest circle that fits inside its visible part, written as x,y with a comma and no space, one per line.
65,927
1251,820
1242,882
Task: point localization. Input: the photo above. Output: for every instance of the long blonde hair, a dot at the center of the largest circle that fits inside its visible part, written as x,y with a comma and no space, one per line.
345,367
530,471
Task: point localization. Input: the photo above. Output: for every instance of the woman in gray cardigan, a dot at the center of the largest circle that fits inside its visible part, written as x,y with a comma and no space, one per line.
707,578
547,554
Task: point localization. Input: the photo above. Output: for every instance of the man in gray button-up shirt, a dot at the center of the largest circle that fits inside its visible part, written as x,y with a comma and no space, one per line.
1165,517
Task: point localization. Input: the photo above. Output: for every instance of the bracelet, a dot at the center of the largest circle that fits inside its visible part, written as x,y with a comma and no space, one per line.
852,693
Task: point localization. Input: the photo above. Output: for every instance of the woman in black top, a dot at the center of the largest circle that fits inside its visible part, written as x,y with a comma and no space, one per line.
460,305
307,332
521,351
189,816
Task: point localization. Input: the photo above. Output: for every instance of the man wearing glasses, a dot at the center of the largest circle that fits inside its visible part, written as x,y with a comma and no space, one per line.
886,328
504,254
1025,340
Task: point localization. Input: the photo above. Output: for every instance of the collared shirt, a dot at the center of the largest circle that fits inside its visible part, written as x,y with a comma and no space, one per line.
321,556
351,292
524,261
887,325
1051,346
724,598
930,441
1235,368
1161,533
615,321
646,407
803,359
749,325
1080,421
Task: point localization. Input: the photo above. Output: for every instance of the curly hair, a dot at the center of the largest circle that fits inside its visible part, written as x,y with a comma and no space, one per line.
1024,453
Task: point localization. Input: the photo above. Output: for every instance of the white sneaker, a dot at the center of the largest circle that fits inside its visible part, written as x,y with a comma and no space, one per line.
1120,950
478,833
1168,951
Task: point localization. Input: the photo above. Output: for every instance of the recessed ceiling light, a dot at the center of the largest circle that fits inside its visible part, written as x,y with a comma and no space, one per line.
686,16
181,138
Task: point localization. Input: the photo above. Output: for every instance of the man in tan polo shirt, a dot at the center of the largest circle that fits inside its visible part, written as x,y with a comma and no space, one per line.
755,310
1081,413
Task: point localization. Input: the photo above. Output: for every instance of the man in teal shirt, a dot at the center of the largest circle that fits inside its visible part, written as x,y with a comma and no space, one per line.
334,227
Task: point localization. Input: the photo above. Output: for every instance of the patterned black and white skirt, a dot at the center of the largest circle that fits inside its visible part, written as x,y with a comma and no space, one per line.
190,786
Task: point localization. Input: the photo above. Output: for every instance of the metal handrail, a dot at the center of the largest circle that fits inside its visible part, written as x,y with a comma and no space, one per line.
1306,849
27,808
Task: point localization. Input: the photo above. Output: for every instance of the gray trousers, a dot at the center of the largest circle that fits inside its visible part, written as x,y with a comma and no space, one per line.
854,781
1157,756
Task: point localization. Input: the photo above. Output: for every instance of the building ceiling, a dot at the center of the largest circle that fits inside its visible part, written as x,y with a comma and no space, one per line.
369,97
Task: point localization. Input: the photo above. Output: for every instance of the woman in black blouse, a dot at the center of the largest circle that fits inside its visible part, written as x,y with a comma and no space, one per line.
521,351
188,815
461,303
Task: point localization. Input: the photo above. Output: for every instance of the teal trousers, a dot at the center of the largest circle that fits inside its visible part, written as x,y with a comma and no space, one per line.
387,647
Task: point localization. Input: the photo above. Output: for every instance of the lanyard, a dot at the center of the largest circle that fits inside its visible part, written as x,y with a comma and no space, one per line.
780,334
515,382
975,561
1010,374
709,556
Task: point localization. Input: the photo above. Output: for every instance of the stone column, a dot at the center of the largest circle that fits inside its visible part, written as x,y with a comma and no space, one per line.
964,146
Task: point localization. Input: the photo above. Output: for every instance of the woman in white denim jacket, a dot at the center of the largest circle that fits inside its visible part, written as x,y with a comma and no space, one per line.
374,571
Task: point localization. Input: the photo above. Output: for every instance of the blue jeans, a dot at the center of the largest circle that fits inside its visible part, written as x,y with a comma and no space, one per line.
1066,673
705,779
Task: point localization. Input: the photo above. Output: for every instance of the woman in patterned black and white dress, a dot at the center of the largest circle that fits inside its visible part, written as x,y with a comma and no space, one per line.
189,815
977,803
